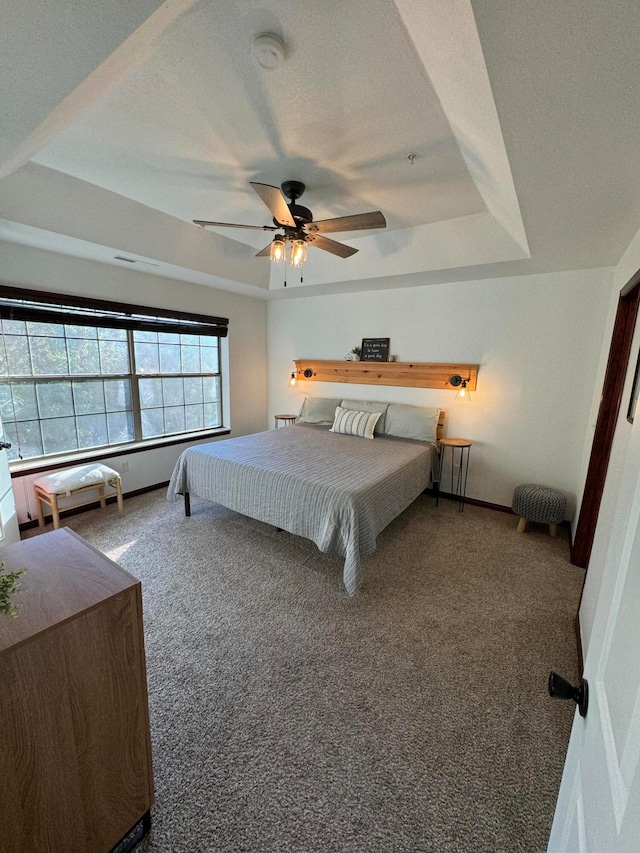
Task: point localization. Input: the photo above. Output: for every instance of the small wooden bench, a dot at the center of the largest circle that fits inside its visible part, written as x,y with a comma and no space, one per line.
75,481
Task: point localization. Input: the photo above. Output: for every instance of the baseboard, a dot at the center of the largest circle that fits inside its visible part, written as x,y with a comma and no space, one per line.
26,525
488,505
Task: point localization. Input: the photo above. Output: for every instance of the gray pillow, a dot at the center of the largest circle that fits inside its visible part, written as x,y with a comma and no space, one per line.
418,422
368,406
318,410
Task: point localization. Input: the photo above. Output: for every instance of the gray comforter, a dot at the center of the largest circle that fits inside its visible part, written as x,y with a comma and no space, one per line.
337,490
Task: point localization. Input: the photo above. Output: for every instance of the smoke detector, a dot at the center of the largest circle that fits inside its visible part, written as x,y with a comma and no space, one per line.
268,51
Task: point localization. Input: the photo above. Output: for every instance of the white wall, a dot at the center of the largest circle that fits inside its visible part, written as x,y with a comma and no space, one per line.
536,338
624,271
246,394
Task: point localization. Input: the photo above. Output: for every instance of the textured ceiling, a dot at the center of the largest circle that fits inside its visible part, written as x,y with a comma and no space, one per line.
522,118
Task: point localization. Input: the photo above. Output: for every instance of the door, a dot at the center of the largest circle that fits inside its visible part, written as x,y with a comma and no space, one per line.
9,530
598,806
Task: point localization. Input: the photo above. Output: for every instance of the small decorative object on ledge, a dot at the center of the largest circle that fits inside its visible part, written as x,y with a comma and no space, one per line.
354,355
375,349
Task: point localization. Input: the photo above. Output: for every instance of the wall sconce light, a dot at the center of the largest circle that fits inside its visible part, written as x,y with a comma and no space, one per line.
463,394
306,374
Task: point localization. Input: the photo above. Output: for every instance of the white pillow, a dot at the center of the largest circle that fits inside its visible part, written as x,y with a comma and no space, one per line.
350,422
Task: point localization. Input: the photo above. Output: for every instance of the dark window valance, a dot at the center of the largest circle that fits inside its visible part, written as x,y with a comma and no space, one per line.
43,307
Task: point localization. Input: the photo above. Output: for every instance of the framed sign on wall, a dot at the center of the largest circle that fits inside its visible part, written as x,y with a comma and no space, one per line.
374,349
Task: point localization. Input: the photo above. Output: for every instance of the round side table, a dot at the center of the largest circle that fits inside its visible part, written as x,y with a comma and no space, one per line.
459,491
285,419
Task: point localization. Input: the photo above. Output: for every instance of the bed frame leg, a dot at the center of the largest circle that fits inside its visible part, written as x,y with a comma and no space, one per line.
187,504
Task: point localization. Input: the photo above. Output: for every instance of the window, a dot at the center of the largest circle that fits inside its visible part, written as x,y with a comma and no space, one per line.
69,386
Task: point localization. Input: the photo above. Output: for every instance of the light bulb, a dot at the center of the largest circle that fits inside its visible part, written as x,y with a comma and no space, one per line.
293,380
463,393
278,250
298,253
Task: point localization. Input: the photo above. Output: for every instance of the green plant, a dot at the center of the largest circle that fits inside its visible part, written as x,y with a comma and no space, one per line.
356,350
9,584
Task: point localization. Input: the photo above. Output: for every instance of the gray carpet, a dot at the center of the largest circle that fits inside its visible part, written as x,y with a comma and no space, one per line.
288,717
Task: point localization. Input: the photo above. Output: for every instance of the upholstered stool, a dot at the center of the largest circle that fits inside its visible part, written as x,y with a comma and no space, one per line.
75,481
539,504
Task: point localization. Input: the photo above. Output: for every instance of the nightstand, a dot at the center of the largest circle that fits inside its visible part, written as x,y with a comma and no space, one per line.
459,491
285,419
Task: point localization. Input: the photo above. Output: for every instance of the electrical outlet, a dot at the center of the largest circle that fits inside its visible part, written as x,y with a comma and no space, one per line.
124,467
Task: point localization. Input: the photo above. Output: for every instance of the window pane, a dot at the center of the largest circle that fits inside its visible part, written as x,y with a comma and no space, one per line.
48,355
81,332
14,327
169,358
59,434
174,419
89,397
211,388
29,439
54,400
92,430
212,414
152,423
192,340
209,360
11,435
173,392
117,394
150,393
18,356
54,330
169,337
114,357
190,359
194,417
146,337
83,356
24,401
6,403
193,389
147,358
120,426
112,334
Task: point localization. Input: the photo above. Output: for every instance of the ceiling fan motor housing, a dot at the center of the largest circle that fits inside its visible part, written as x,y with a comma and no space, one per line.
292,189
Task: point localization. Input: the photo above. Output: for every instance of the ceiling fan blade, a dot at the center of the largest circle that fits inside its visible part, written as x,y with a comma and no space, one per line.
203,223
276,202
330,246
264,253
357,222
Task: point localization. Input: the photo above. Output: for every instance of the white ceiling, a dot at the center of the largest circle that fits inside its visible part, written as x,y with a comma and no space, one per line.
124,125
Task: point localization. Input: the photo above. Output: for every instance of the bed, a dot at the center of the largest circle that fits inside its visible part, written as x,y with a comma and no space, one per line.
338,490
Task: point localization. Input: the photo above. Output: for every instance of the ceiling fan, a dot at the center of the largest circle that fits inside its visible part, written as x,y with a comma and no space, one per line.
298,226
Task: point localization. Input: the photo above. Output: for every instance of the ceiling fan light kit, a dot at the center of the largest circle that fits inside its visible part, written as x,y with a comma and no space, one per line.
278,250
296,221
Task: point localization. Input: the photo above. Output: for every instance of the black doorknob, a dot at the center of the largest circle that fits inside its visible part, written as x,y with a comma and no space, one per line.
560,688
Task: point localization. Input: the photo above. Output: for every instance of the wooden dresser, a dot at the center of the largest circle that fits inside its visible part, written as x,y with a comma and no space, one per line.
75,752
